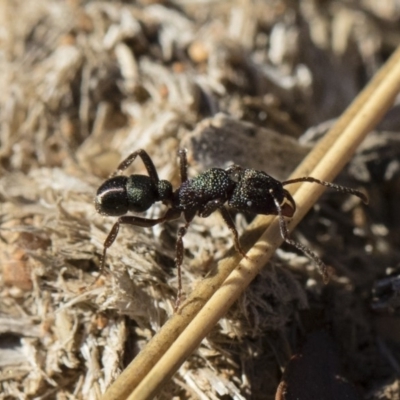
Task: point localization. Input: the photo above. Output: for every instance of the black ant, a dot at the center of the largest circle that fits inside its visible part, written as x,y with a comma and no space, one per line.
243,189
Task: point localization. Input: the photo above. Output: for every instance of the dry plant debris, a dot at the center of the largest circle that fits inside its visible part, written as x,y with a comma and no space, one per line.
83,84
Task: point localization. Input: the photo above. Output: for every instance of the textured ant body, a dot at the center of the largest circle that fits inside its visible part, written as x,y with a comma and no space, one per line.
242,189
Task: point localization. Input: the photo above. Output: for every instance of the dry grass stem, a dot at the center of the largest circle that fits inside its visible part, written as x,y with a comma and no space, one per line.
144,377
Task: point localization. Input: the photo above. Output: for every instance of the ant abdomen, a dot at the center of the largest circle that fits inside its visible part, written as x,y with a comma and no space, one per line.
141,192
137,193
111,197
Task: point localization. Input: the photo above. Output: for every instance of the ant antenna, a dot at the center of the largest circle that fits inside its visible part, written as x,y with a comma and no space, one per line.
339,188
284,229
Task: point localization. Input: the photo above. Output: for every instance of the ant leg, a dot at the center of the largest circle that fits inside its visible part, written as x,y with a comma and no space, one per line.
148,163
210,207
218,204
137,221
285,235
339,188
183,165
179,261
231,225
107,244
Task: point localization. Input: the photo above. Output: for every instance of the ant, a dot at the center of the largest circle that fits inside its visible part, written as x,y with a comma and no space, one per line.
243,189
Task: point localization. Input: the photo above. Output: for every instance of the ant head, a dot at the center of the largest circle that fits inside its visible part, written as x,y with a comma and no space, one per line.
255,192
111,197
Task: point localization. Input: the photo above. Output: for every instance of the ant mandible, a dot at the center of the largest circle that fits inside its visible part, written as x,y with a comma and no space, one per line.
243,189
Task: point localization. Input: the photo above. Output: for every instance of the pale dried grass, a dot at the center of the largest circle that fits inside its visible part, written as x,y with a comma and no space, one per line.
85,83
